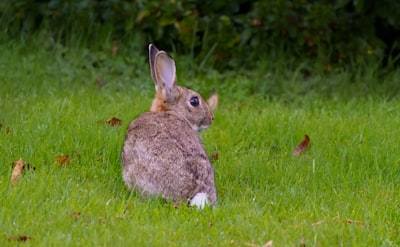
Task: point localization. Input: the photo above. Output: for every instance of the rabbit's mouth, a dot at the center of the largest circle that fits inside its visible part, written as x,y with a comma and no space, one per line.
200,128
204,124
195,125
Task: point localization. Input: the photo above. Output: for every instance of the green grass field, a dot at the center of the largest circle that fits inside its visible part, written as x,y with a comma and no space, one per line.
342,192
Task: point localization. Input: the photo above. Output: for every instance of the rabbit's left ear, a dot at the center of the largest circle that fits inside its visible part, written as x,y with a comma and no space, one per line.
165,75
153,50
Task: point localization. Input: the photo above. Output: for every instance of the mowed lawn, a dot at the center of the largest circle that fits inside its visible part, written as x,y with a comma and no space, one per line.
54,107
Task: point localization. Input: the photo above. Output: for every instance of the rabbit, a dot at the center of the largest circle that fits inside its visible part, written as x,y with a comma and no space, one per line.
162,154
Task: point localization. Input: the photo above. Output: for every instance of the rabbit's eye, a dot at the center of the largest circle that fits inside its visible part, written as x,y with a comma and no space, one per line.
195,101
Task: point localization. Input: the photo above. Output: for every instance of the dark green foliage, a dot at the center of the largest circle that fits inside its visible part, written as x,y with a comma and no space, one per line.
223,34
343,29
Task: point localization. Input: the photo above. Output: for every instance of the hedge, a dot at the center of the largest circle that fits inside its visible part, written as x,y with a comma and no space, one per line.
236,32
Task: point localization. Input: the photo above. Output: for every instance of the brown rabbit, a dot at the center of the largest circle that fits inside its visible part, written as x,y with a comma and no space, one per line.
162,153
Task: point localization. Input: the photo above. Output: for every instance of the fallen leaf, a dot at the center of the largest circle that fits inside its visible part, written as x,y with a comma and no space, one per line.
302,147
114,122
20,238
213,101
214,156
74,214
303,242
268,244
210,224
17,171
102,219
252,244
62,159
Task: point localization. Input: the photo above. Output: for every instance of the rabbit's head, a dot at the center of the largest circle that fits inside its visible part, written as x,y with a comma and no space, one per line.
187,103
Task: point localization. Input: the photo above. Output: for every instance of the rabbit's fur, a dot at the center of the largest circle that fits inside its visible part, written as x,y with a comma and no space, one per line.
162,153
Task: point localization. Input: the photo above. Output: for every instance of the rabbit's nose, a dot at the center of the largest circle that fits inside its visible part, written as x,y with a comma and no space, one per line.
212,115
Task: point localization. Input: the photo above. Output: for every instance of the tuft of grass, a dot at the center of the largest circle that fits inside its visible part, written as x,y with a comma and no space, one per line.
341,192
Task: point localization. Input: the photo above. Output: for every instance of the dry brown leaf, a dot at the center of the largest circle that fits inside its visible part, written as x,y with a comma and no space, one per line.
18,168
302,147
268,244
213,101
102,219
252,244
303,242
20,238
214,156
74,214
62,159
17,171
114,122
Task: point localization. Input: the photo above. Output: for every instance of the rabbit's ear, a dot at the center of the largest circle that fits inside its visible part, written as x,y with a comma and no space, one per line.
165,75
153,50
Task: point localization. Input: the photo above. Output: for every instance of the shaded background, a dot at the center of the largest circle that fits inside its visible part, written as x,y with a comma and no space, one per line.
220,34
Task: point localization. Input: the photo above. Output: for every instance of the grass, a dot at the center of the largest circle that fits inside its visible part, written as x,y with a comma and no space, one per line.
342,192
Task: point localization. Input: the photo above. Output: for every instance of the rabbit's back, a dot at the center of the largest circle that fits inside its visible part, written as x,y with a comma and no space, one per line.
162,155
